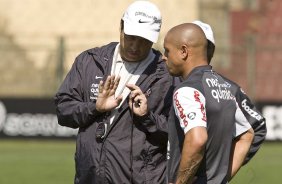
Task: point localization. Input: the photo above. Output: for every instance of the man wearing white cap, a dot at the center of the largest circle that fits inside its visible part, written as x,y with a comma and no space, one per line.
119,96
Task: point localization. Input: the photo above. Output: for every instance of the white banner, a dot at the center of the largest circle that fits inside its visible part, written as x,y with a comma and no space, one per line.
273,116
32,124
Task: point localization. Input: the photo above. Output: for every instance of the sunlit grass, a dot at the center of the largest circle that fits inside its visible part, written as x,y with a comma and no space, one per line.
36,162
51,162
266,167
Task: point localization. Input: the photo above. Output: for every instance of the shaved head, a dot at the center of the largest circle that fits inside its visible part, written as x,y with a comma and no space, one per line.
188,34
185,48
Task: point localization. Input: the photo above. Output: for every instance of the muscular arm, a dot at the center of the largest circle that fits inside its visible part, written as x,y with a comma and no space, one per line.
240,146
192,154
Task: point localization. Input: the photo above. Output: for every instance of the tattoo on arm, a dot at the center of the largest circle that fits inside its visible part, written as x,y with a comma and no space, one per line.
186,176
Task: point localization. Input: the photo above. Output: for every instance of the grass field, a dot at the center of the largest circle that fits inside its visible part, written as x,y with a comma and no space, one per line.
51,162
36,162
264,168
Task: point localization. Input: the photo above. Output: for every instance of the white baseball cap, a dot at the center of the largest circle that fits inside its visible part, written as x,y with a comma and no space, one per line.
143,18
207,30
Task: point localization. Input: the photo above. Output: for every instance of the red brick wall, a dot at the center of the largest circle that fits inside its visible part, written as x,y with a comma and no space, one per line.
265,25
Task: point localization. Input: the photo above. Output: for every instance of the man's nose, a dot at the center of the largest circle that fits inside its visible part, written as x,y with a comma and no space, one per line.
136,42
164,58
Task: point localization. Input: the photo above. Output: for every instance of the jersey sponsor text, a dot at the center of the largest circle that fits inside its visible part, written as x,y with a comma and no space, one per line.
250,111
219,93
180,109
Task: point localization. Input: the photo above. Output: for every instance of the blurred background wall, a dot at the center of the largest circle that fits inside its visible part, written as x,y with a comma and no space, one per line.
39,40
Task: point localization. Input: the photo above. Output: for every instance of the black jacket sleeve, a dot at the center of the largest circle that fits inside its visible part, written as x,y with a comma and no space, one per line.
256,120
157,120
72,110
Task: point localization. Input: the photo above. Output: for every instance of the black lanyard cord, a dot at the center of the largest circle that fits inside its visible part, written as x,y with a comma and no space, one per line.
131,146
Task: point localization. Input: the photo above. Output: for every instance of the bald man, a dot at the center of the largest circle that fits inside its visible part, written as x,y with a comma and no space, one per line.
206,116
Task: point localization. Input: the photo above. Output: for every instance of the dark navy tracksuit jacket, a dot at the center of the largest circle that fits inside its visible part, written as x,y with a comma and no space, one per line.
109,160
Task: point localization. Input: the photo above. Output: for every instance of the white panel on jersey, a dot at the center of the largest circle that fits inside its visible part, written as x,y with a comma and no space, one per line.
241,124
189,105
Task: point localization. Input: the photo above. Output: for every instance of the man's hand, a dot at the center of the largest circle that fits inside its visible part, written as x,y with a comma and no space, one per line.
139,100
106,100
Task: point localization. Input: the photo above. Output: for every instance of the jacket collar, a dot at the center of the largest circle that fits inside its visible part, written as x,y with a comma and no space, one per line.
103,56
156,69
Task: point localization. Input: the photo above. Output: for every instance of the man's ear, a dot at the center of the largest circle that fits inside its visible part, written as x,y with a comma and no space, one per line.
210,51
121,25
184,51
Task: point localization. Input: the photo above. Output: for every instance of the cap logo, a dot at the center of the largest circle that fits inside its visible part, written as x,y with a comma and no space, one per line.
141,21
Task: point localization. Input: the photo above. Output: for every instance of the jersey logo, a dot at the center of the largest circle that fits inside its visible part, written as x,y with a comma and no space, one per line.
191,115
